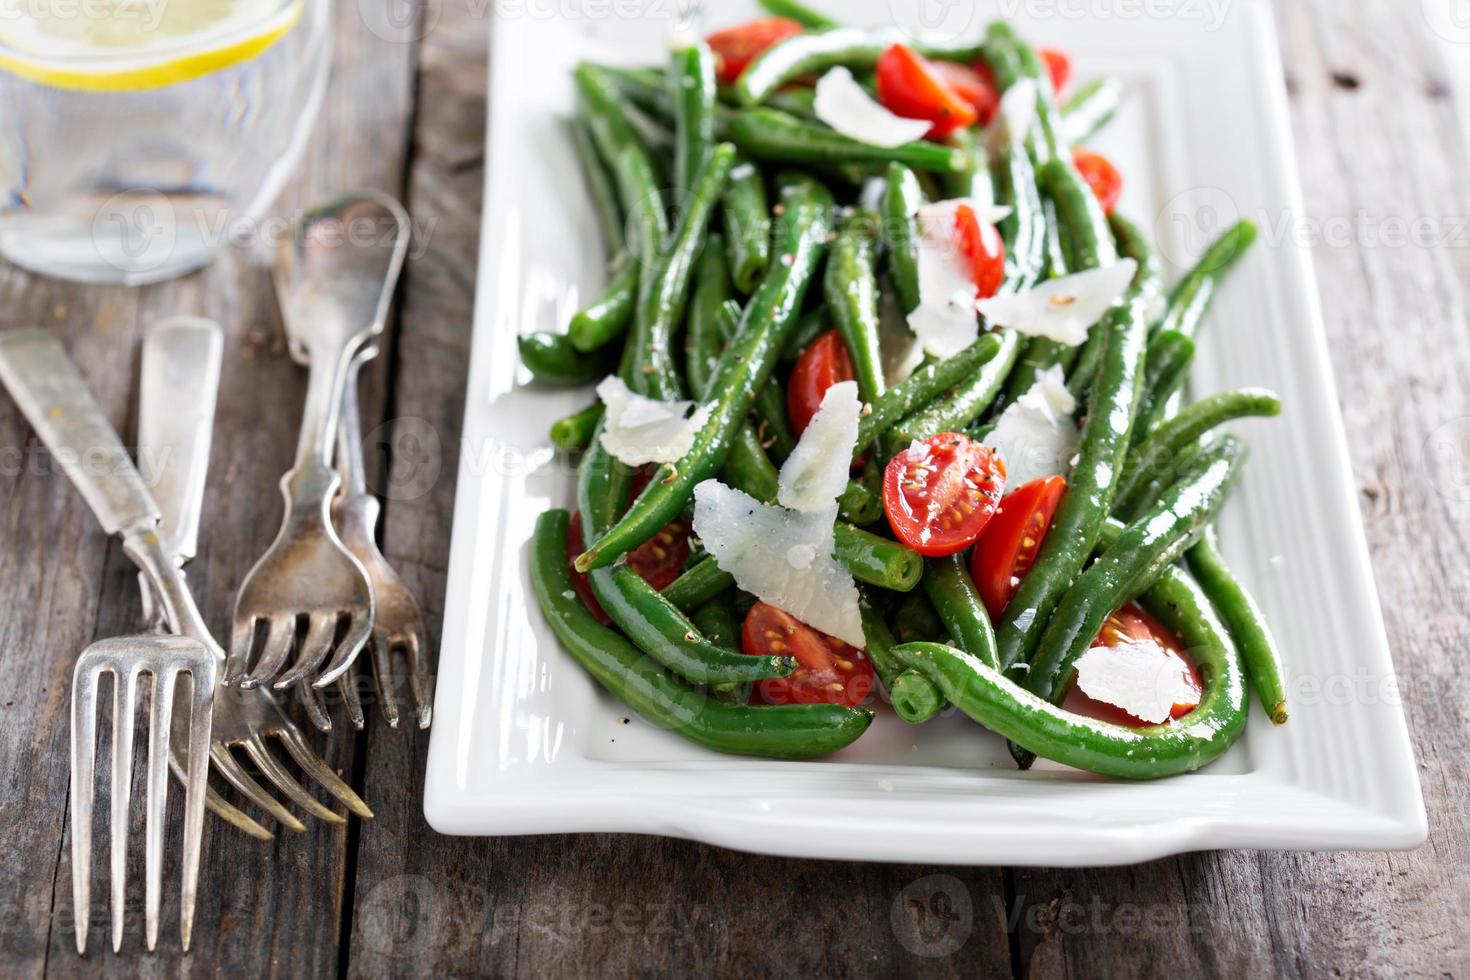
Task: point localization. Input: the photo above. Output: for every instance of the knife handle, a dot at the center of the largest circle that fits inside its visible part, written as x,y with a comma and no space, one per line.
181,368
45,384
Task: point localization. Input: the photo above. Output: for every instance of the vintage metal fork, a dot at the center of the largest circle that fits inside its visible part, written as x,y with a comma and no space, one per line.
398,623
175,416
333,302
55,400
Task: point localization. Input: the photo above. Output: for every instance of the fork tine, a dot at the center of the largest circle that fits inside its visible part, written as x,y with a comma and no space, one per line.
202,678
156,803
321,631
378,650
284,781
234,816
124,706
83,759
322,773
351,688
359,628
225,765
316,708
242,639
279,638
416,649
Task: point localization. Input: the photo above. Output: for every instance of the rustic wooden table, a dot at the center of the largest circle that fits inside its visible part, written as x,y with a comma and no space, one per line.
1380,145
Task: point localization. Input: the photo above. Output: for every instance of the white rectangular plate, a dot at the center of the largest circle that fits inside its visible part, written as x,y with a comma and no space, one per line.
525,742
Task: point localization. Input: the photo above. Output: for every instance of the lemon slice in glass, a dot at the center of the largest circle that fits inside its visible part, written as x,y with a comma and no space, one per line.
131,45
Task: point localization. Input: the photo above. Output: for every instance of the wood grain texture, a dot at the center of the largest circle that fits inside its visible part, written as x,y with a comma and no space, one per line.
1377,133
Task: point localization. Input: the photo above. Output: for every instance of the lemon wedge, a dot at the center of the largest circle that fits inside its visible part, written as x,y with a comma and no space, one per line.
133,45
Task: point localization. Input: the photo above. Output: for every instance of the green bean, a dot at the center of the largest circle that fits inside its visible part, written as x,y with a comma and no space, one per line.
1089,236
1167,443
627,157
1130,565
748,468
877,561
1246,622
704,337
780,731
1057,247
1146,286
552,359
770,405
859,505
698,584
1150,490
1024,229
748,222
948,585
965,403
773,425
799,12
1088,498
809,326
916,619
742,368
851,287
691,84
1170,354
818,51
930,382
973,181
1091,108
902,198
609,315
878,641
572,432
1190,300
915,698
600,185
1011,59
645,88
766,134
991,699
716,619
664,291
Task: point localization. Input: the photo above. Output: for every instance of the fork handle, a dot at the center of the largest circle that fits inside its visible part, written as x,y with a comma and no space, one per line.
49,390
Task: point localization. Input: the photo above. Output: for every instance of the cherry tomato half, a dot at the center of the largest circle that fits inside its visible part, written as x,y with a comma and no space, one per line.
940,493
1132,625
1058,66
1101,176
820,366
972,85
736,47
828,671
909,86
983,248
1007,549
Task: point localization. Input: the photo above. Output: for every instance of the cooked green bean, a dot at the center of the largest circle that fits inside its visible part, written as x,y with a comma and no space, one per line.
704,336
902,198
1247,624
930,382
552,359
700,582
1024,229
799,12
627,157
1146,286
1088,498
573,432
965,403
747,216
1094,105
809,326
742,368
1131,564
691,81
609,315
600,185
859,505
876,560
775,731
1170,354
1191,299
973,181
766,134
851,288
663,291
948,585
1165,445
818,51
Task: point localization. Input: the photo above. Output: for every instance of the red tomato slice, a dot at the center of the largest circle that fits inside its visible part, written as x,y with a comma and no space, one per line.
909,86
1132,625
1101,176
940,493
820,366
736,47
1007,549
828,671
1058,66
983,247
579,579
970,84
